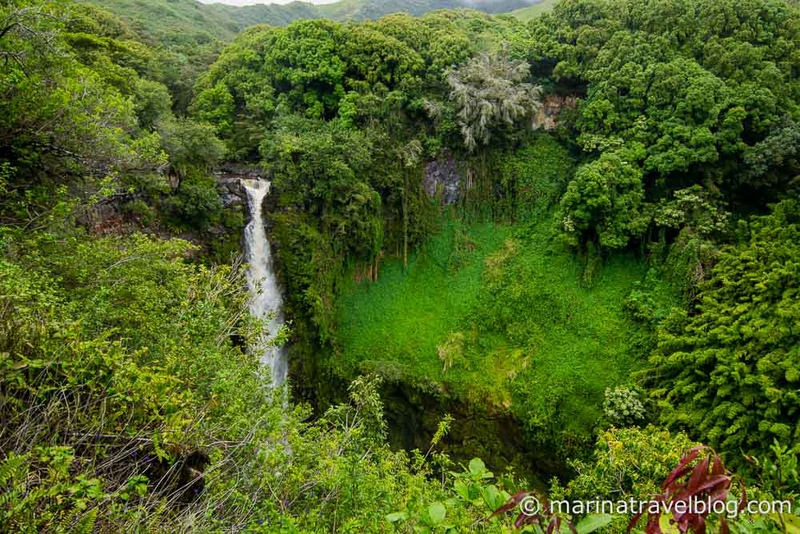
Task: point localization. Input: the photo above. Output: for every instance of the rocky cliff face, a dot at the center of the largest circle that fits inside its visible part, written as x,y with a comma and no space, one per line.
446,178
443,180
547,116
229,182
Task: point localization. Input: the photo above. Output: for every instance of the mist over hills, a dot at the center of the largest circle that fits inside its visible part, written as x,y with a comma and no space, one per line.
183,21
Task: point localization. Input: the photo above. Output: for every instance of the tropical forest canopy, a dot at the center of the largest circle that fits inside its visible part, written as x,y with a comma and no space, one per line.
547,252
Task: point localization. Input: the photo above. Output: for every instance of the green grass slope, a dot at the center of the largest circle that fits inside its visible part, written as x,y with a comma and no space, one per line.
497,315
374,9
396,324
164,21
530,12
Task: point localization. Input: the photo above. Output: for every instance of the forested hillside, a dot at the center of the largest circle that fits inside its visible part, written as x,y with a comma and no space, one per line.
551,256
191,34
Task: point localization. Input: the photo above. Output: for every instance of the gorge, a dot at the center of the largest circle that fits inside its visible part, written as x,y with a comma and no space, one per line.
484,258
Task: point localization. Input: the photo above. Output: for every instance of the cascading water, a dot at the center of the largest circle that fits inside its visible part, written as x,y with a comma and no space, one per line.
266,301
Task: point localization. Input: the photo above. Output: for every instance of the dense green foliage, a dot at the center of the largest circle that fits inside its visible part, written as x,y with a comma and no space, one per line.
730,371
344,118
128,401
678,95
685,124
496,316
529,241
169,21
188,35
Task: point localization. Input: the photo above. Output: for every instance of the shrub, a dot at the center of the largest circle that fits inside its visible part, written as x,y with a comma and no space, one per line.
141,211
196,204
623,407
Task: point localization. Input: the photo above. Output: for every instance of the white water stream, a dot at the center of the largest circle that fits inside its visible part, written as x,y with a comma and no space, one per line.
266,301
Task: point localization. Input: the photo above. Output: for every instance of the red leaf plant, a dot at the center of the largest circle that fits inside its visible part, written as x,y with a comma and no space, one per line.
706,482
547,521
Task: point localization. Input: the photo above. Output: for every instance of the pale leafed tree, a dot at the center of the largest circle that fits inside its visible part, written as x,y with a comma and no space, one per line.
490,93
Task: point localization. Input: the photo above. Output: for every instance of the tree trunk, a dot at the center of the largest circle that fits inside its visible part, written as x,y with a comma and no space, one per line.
405,219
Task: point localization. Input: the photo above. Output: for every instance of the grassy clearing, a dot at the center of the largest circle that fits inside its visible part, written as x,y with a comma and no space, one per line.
396,324
503,309
576,338
527,13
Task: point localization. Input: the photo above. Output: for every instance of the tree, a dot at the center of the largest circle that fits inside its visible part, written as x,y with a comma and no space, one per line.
706,88
730,372
190,144
490,95
51,105
603,203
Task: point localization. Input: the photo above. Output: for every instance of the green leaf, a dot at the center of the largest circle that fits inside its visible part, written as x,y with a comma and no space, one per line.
437,512
396,516
492,497
666,526
462,490
792,522
593,522
478,468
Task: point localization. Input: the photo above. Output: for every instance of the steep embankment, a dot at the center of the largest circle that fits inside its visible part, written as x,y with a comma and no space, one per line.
498,321
497,316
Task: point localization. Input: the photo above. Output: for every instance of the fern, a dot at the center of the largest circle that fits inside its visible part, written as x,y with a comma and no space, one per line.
12,467
85,523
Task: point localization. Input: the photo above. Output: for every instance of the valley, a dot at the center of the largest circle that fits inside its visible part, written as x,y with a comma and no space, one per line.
403,266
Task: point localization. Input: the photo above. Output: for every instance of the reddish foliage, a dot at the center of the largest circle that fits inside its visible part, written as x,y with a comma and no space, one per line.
707,482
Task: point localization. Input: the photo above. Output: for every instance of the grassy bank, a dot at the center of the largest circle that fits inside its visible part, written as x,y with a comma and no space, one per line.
498,315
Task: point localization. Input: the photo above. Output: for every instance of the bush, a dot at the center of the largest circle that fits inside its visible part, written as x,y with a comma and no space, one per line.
729,370
141,211
623,407
196,204
533,177
627,462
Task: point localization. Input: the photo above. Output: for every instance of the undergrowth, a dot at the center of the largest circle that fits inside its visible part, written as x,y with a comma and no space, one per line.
499,315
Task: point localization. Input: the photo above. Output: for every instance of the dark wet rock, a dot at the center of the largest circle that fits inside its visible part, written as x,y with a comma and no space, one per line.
229,181
443,180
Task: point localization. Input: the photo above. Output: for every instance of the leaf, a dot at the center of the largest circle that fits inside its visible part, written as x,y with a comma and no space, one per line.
712,483
717,468
512,503
396,516
593,522
654,522
682,468
666,527
792,522
699,475
437,512
462,490
477,467
491,497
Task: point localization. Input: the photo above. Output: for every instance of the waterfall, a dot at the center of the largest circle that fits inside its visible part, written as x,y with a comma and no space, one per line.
266,301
